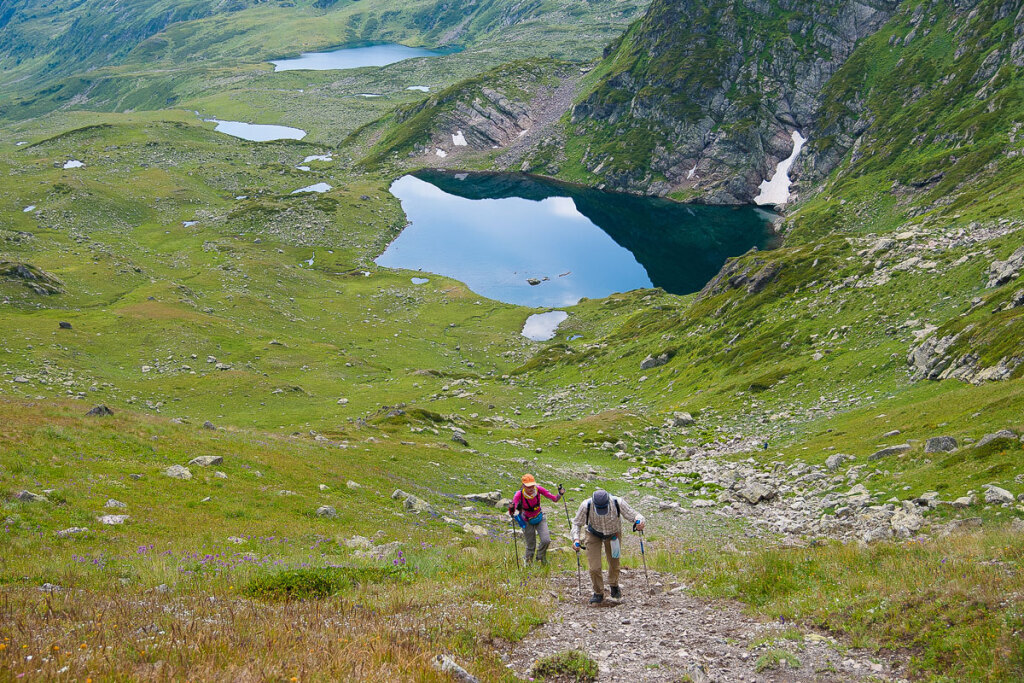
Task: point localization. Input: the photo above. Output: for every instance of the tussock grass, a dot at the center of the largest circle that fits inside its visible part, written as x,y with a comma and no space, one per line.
567,666
955,605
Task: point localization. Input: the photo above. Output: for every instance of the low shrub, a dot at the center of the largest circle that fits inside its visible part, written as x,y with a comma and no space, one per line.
567,666
321,582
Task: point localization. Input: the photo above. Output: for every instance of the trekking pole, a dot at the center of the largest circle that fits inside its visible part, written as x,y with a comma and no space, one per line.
643,555
515,543
579,581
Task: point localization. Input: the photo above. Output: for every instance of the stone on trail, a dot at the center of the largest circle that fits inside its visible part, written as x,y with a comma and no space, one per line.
29,497
100,411
997,496
1003,434
112,520
178,472
891,450
206,460
940,444
326,511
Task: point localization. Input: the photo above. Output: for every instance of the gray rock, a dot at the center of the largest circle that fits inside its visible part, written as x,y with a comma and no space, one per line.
100,411
416,504
178,472
653,361
459,439
326,511
236,540
353,485
29,497
219,475
891,450
755,492
682,420
997,496
905,522
1001,272
894,432
474,529
940,444
1001,434
208,425
112,520
836,460
64,325
206,460
359,543
961,525
111,503
71,531
489,498
964,502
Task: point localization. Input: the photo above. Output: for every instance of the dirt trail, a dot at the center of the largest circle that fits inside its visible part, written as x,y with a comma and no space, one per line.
669,635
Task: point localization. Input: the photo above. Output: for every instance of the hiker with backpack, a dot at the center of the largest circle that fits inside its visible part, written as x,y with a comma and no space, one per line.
525,509
598,522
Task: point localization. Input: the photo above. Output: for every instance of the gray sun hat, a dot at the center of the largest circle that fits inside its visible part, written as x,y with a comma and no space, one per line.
601,501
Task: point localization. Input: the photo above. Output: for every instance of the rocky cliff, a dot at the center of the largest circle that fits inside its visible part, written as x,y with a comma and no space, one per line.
702,97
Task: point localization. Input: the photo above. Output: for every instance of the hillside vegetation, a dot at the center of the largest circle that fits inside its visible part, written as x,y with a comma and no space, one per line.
305,467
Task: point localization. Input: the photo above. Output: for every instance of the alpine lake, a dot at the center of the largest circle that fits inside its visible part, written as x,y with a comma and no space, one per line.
534,242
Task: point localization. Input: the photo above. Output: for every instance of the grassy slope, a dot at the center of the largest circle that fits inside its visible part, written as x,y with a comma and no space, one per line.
113,233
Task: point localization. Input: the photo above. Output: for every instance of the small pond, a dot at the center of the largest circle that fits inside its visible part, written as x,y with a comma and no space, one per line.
258,132
542,326
528,241
356,57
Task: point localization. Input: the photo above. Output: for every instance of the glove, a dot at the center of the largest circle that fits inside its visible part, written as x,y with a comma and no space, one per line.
561,490
511,511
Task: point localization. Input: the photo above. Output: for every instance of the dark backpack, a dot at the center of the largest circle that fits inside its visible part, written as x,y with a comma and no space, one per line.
618,513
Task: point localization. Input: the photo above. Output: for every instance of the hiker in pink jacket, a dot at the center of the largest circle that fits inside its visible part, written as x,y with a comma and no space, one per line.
527,503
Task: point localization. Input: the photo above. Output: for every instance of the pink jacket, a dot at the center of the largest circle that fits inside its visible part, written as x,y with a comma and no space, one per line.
531,506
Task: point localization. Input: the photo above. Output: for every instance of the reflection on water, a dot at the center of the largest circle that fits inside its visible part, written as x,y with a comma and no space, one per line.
527,241
355,57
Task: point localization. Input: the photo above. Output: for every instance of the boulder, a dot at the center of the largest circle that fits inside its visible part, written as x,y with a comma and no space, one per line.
29,497
208,425
220,475
474,529
490,497
459,439
100,411
997,496
418,505
906,521
178,472
891,450
353,485
1003,434
64,325
836,460
206,460
1001,272
940,444
682,420
111,503
326,511
112,520
358,543
964,502
755,492
653,361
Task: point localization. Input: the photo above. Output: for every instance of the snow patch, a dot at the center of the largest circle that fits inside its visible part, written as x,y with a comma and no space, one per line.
318,157
440,152
458,139
776,190
30,207
421,88
74,163
689,174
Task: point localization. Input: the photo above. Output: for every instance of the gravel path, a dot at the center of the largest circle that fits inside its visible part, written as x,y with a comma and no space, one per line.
668,635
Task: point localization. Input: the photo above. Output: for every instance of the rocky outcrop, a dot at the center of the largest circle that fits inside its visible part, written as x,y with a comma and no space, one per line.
1001,272
941,357
753,275
36,279
704,96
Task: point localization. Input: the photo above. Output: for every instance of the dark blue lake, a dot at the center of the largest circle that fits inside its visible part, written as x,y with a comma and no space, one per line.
497,232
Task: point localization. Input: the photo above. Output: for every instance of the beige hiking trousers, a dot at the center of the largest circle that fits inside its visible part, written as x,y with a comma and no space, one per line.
594,545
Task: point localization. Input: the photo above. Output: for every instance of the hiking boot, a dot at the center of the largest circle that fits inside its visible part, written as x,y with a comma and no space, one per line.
597,599
616,593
